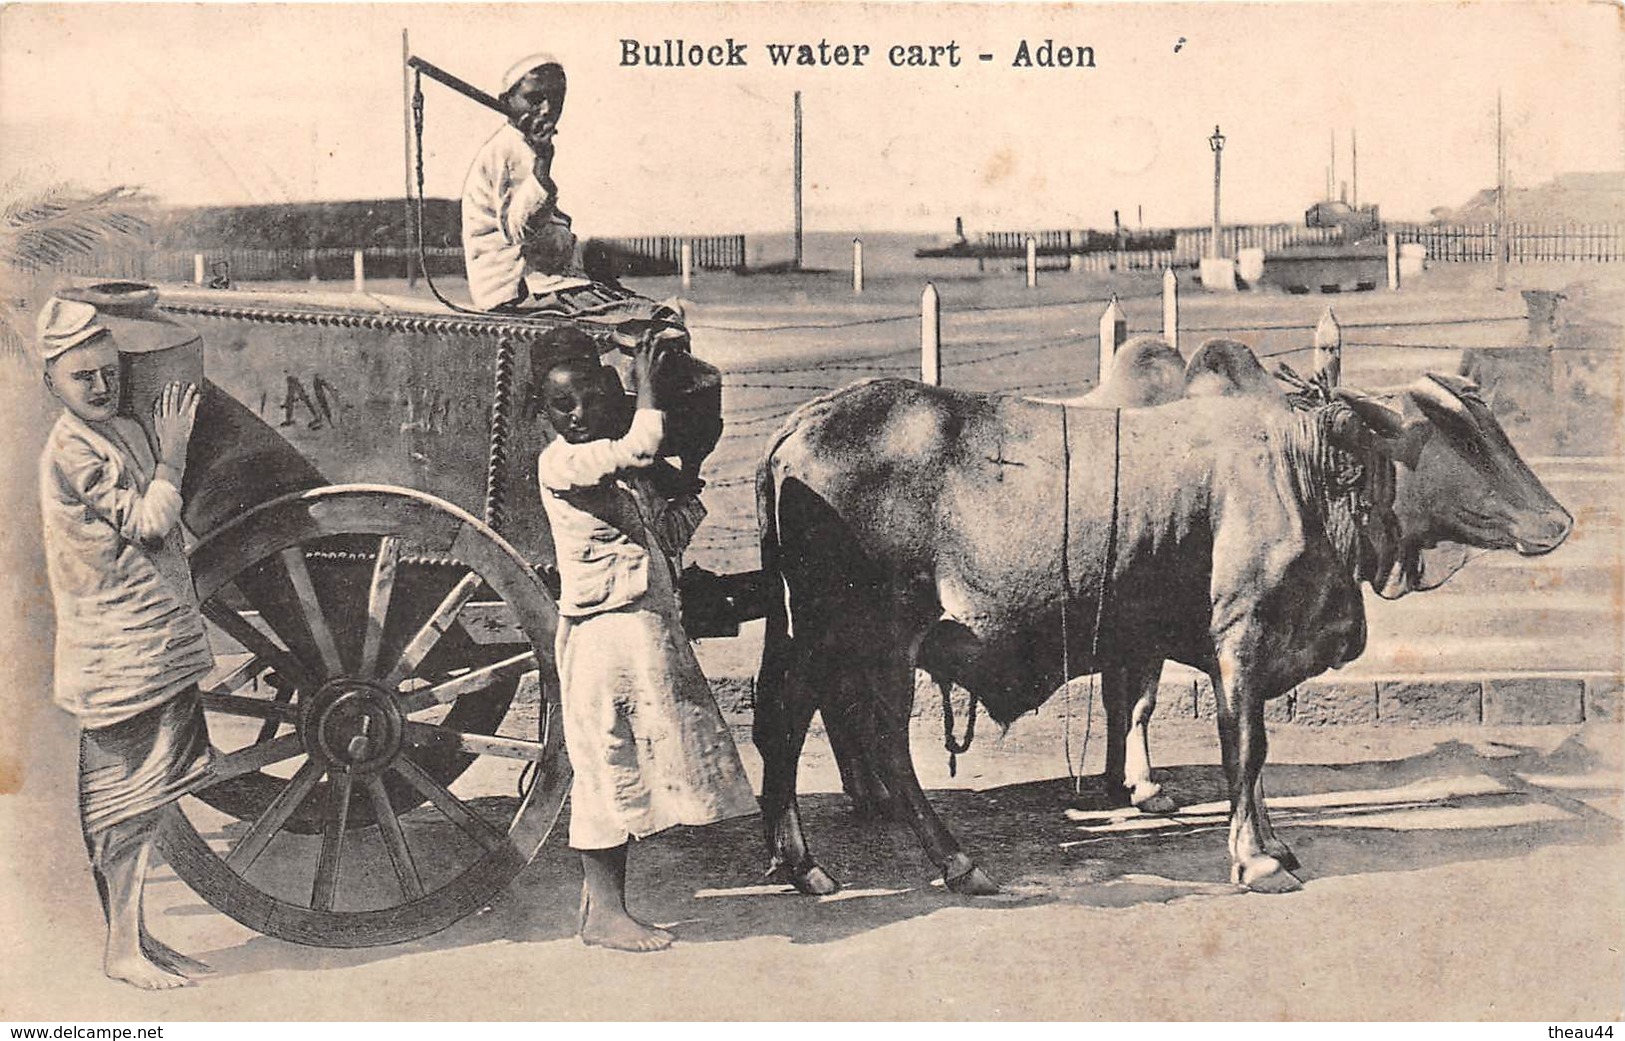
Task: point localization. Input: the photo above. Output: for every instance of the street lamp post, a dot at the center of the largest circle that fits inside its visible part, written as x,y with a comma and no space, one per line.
1216,142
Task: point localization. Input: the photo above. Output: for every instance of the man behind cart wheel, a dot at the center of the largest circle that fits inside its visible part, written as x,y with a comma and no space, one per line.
523,257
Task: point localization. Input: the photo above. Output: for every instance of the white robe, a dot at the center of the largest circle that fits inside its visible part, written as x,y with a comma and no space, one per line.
500,196
129,634
649,747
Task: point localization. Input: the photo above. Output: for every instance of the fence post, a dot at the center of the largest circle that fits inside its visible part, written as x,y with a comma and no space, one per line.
358,264
857,265
1032,262
1170,307
1393,261
686,261
197,268
1113,331
1329,347
930,337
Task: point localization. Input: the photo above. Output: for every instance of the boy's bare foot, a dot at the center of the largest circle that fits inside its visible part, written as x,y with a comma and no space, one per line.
622,932
139,972
614,928
167,957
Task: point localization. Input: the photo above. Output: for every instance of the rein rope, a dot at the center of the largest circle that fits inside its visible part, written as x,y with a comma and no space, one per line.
1075,773
417,151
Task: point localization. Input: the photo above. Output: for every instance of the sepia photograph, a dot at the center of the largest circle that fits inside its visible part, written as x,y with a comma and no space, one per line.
813,511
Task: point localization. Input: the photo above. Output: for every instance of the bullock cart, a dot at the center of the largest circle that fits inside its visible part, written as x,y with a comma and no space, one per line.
372,559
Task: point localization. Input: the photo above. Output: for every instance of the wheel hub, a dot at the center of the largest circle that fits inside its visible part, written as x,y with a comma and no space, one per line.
352,725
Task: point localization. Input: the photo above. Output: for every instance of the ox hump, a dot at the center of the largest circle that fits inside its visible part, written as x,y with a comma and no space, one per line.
1223,368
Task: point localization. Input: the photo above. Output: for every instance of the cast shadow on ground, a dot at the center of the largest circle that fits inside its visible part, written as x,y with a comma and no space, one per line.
1453,803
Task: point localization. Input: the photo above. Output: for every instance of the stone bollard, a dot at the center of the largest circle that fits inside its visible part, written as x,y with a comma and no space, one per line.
1170,307
685,256
358,264
1329,348
1393,262
1113,331
197,268
930,337
1032,262
857,265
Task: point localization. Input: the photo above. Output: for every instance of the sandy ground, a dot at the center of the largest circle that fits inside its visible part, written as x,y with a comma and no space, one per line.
1449,876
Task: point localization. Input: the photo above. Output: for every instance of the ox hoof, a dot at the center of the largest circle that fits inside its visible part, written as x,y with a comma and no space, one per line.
808,878
1265,875
1156,802
815,881
1278,849
966,879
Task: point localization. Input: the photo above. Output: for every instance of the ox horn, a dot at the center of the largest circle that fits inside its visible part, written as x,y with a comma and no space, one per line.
1385,421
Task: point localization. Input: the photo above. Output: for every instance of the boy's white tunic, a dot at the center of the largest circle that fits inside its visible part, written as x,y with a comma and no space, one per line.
649,747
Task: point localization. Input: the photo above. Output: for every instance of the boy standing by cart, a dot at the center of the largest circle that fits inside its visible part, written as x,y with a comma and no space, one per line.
130,643
648,744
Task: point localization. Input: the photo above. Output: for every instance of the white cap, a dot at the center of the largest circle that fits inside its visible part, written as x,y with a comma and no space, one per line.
64,325
517,71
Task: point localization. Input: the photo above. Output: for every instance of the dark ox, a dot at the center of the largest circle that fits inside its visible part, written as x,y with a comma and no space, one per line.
965,533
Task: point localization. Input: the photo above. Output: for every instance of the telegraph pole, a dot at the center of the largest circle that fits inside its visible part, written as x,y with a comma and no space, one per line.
1500,197
798,181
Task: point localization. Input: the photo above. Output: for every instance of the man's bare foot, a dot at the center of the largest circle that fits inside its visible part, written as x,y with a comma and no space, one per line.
139,972
167,957
616,929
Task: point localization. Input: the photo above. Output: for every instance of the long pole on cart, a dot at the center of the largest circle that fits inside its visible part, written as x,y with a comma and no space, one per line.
406,149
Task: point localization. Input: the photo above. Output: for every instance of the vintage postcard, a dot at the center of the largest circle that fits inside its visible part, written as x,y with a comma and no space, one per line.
812,511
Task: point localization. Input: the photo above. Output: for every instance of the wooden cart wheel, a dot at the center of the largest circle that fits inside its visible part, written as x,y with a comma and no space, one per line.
375,818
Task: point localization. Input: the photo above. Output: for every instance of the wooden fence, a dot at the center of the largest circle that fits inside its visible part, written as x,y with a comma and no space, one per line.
1179,246
721,252
711,252
1525,242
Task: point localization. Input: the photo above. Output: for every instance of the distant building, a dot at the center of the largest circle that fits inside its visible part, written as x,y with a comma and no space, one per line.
1578,198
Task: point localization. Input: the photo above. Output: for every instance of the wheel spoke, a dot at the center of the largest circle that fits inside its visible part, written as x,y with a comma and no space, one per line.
244,632
394,839
251,845
231,681
327,864
476,680
284,692
383,586
278,711
440,738
293,562
454,808
254,757
420,645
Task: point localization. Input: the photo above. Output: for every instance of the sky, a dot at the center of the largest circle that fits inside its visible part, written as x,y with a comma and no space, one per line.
202,104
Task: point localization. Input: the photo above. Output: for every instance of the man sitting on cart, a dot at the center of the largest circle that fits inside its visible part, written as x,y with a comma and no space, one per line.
518,246
523,258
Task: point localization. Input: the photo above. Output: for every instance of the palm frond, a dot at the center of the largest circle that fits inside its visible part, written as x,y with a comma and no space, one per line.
44,228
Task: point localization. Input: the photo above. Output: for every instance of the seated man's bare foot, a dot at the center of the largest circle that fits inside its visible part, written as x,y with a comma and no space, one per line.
139,972
621,932
167,957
